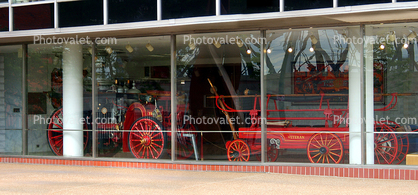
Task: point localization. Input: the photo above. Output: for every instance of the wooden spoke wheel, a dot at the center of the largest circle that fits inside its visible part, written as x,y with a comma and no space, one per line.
272,154
385,144
185,148
238,150
55,134
403,143
147,139
325,148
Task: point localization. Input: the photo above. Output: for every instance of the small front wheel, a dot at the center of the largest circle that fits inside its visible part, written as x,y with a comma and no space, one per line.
238,150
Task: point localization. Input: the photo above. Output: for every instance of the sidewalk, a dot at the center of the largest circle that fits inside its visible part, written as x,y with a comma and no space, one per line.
56,179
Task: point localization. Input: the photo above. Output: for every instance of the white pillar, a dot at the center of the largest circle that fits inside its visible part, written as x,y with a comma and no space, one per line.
72,64
369,95
355,95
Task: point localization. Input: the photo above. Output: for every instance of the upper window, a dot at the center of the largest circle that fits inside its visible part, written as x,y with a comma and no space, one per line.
248,6
360,2
33,17
187,8
80,13
132,10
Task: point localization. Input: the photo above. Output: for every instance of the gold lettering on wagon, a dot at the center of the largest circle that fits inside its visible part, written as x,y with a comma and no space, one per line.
296,137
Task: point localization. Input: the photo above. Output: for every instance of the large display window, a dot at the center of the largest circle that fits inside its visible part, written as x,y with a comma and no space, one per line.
209,66
307,73
59,99
134,102
391,64
11,58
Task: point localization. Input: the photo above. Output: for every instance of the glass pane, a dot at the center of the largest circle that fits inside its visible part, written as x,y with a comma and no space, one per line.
4,19
134,98
306,76
133,11
225,64
248,6
80,13
11,100
33,17
187,8
393,60
360,2
54,73
23,1
298,5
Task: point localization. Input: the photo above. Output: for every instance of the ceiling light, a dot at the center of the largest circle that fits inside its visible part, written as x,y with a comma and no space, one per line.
248,51
149,47
216,44
405,45
290,50
412,35
382,46
239,43
129,48
268,50
312,49
109,49
313,39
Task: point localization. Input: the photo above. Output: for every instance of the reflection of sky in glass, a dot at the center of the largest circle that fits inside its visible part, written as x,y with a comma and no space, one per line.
326,40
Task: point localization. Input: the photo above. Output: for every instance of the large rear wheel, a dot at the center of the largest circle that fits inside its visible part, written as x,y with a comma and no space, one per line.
147,139
385,144
55,134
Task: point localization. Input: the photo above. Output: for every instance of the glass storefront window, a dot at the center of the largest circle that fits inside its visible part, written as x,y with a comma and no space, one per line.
187,8
248,6
360,2
80,13
11,100
4,19
298,5
134,90
24,1
306,79
59,99
393,59
208,65
133,11
33,17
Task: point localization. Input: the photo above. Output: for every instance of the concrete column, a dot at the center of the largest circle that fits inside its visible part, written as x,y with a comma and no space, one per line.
72,64
355,95
369,96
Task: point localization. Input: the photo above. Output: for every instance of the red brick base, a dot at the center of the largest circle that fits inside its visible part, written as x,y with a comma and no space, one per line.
376,173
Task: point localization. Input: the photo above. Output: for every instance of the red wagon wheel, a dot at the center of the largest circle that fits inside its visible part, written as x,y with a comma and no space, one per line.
403,143
147,139
55,137
272,154
385,144
325,148
238,150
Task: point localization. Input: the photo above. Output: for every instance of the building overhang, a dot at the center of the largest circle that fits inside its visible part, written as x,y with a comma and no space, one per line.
341,16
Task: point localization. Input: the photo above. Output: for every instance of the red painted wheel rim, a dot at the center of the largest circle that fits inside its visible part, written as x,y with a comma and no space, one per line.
403,143
146,139
386,144
55,137
325,148
238,150
272,154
